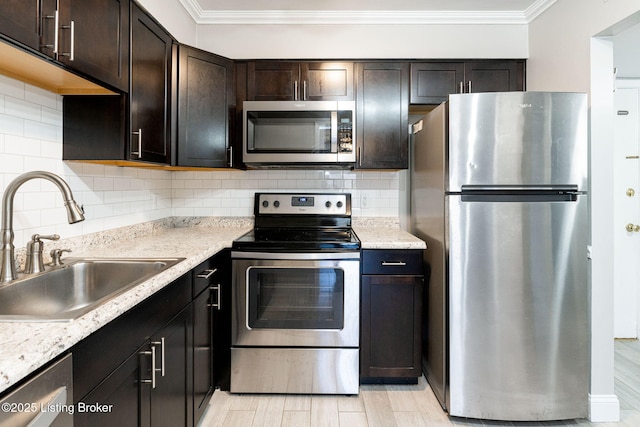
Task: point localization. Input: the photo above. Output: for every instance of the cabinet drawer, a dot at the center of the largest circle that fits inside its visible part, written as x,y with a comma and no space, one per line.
385,261
205,275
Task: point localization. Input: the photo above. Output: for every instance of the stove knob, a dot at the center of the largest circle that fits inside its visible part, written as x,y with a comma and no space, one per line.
339,204
328,204
276,204
265,204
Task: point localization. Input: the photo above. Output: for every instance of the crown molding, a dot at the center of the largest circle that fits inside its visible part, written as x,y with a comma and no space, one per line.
363,17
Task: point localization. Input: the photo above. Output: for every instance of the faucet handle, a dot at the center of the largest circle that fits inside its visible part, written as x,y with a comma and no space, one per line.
36,237
56,255
34,263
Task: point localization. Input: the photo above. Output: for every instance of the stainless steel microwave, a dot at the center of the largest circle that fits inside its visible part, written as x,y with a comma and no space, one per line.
299,133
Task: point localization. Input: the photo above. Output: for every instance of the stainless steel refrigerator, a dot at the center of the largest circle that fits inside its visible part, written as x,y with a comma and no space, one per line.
499,193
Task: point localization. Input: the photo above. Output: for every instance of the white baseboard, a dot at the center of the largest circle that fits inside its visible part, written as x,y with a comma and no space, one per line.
604,408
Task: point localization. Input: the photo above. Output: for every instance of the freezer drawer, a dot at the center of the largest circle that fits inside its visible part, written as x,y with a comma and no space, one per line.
518,309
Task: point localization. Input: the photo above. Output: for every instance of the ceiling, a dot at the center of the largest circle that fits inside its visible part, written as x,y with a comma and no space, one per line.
365,11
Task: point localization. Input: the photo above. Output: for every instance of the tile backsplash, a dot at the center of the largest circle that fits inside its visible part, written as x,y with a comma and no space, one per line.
31,139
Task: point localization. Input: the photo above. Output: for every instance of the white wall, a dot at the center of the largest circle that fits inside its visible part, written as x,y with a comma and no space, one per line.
174,18
559,42
364,41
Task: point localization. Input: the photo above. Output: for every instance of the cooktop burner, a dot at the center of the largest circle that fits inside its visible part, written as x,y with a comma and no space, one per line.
299,222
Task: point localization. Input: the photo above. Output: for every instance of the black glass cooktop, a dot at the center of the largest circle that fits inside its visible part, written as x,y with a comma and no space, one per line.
298,239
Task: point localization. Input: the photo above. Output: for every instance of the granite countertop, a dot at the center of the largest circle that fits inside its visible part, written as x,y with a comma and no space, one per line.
385,233
26,346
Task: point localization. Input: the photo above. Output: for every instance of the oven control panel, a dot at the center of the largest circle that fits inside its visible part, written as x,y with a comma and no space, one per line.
314,204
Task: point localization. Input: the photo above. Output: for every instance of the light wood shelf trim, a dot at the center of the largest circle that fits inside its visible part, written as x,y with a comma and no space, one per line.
28,68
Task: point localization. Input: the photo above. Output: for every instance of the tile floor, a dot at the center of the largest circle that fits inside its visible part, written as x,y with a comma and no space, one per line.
397,405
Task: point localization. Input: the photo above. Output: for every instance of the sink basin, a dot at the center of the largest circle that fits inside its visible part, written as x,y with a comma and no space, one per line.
79,286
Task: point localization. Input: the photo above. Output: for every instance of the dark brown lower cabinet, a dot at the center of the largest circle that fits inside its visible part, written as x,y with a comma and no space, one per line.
390,349
133,395
135,367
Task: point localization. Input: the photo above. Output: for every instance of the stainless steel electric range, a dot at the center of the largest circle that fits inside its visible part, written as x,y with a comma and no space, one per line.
296,297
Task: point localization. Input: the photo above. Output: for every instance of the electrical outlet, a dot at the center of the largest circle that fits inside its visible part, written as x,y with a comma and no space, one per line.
364,201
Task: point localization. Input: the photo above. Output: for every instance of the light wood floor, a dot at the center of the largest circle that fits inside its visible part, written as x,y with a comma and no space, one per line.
406,405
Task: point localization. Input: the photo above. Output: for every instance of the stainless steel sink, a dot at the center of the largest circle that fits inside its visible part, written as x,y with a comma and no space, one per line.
79,286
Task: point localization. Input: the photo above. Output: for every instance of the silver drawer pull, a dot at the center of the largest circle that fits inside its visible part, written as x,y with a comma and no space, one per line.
217,289
207,273
44,419
393,263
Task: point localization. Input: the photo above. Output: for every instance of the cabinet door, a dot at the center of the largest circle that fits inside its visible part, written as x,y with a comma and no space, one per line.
202,353
205,98
100,45
31,23
326,81
120,389
494,76
150,92
391,328
273,81
432,82
383,116
169,397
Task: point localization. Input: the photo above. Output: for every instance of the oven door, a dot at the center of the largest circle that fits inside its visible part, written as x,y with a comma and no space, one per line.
301,299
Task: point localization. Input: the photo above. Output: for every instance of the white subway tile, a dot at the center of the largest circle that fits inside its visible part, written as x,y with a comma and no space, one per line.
12,87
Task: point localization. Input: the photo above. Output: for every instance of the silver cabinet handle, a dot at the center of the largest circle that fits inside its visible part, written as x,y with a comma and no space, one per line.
304,90
139,152
206,273
55,18
45,419
72,27
295,90
230,150
152,381
161,344
393,263
469,86
461,87
217,304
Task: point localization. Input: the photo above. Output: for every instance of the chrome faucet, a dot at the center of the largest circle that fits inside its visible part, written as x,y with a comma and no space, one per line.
74,214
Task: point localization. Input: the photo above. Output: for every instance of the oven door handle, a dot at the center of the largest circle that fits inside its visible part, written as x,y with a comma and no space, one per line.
304,256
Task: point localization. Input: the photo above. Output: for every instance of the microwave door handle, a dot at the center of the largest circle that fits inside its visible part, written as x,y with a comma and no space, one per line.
334,132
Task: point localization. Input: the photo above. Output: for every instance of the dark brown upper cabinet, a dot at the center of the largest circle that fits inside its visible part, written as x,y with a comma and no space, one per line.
150,91
88,36
206,107
382,115
30,23
433,81
299,81
128,127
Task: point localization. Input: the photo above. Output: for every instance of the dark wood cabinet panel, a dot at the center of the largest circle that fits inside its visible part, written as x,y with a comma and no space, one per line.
120,390
494,76
150,93
432,82
391,316
26,22
100,45
168,398
292,81
272,81
91,35
206,104
327,81
382,115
